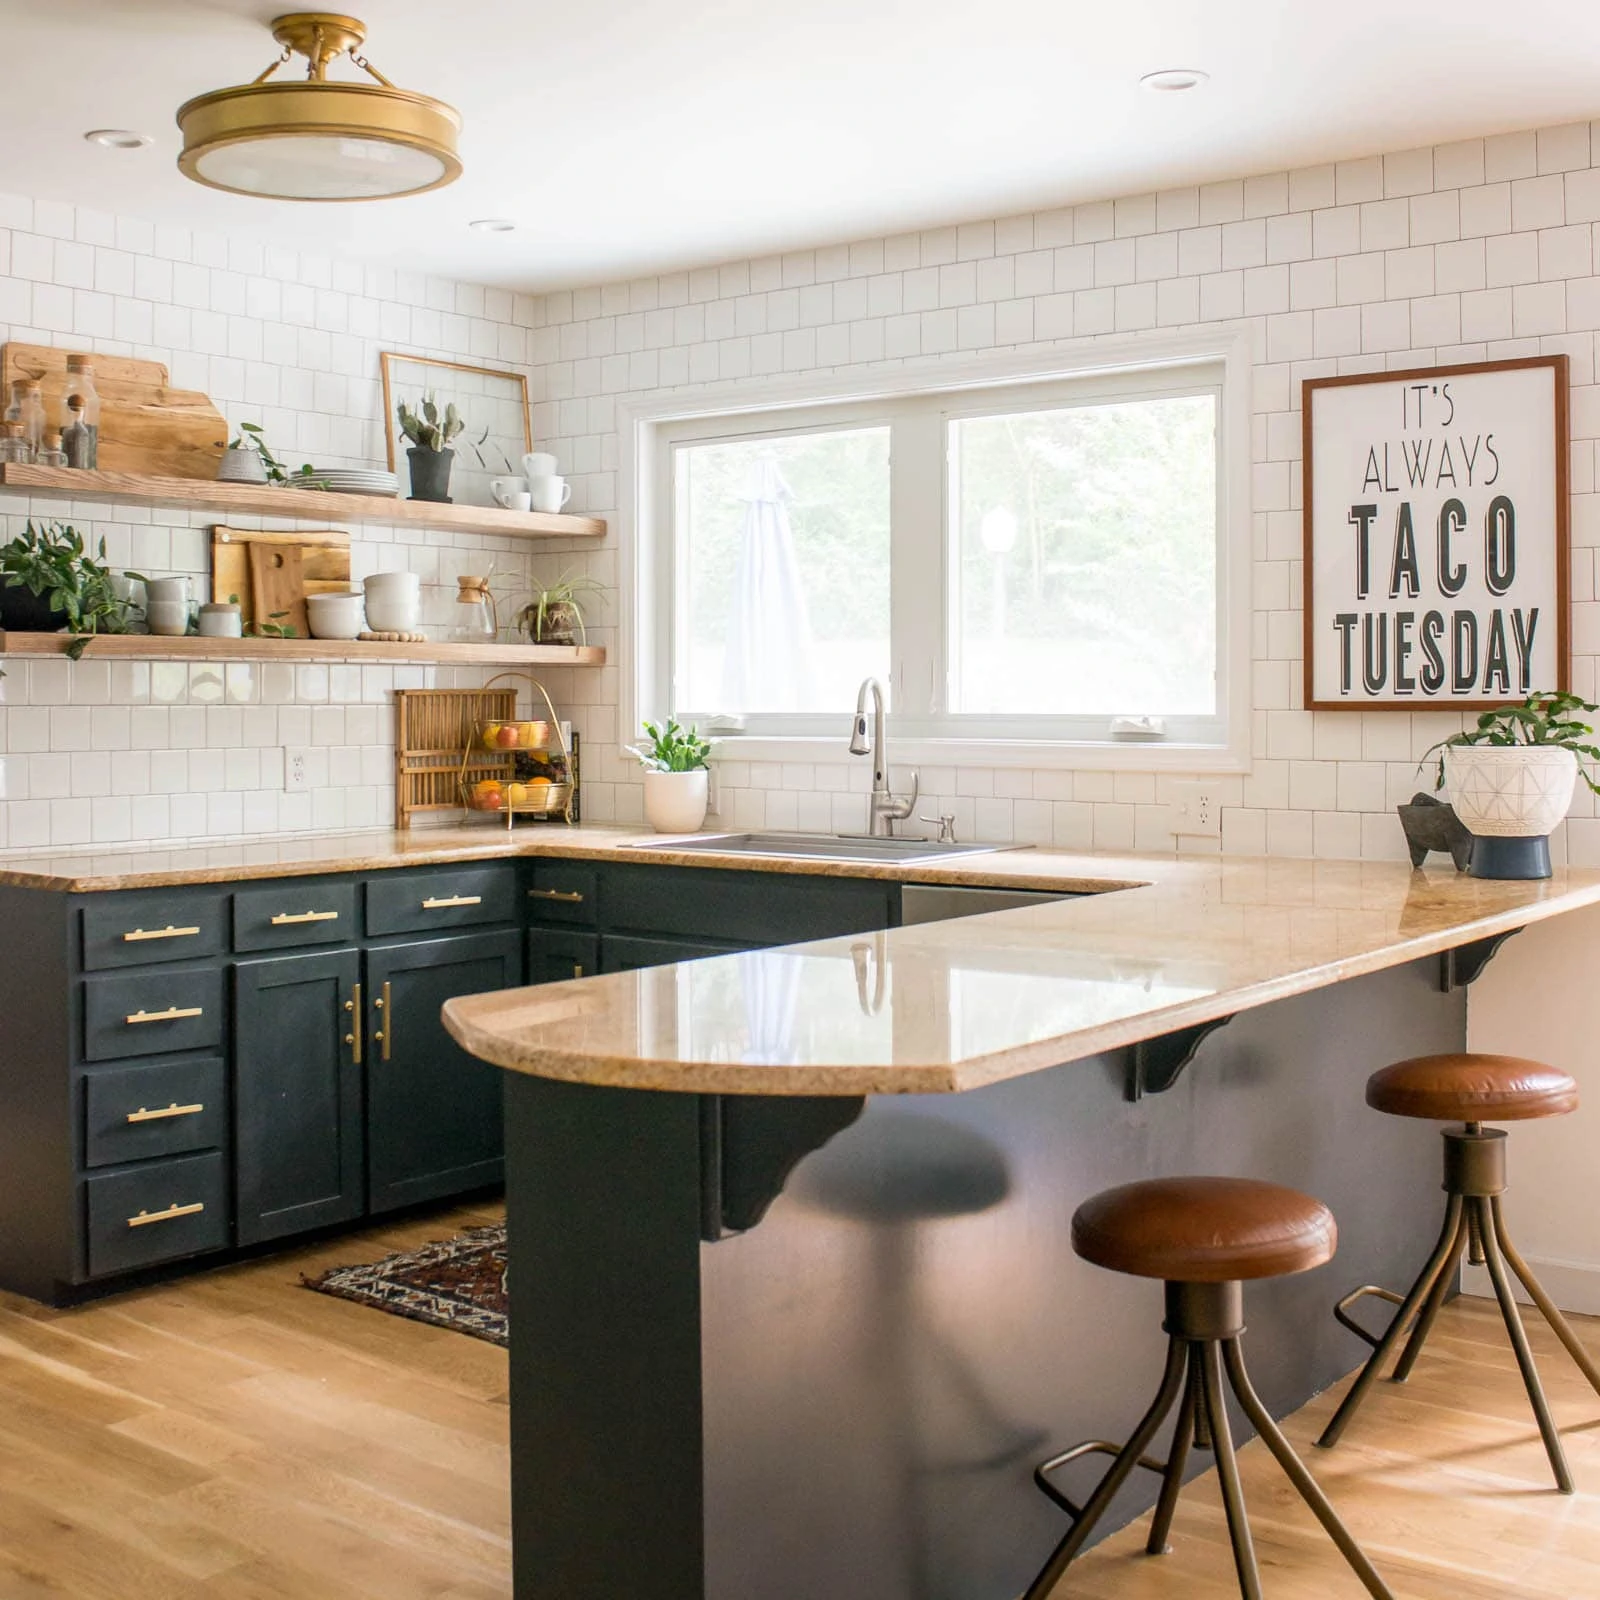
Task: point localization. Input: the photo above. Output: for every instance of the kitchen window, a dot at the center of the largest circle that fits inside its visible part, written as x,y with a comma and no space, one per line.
1041,565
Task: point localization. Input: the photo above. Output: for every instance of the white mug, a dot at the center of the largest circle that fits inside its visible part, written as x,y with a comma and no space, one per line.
507,490
539,464
517,502
549,494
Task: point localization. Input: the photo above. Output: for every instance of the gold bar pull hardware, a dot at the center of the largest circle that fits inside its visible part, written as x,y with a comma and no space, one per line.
174,1110
171,1014
168,932
387,1019
285,919
353,1038
577,969
145,1218
452,900
569,897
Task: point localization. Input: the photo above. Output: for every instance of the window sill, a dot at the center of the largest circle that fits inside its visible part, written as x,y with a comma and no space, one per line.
1108,756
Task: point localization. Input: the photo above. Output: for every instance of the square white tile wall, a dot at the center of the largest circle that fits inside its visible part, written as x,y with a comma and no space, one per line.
1466,252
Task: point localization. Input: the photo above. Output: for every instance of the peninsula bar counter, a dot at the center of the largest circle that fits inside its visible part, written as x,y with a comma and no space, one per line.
794,1308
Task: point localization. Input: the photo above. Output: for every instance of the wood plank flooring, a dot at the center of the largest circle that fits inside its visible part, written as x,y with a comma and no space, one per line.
232,1437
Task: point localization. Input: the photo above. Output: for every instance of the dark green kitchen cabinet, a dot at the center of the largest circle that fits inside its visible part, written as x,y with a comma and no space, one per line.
433,1111
621,952
297,1093
558,953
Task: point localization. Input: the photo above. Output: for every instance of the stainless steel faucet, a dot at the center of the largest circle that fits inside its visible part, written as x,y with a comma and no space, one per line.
885,808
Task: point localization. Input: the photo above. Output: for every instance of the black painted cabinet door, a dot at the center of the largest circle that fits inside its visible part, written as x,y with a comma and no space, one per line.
297,1094
433,1111
558,953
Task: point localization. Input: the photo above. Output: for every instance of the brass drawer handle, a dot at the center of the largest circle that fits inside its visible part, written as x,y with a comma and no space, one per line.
382,1035
577,969
357,1022
171,1014
145,1218
174,1110
449,901
569,897
285,919
169,932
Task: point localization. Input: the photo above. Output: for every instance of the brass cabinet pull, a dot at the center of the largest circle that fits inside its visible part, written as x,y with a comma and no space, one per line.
174,1110
169,932
569,897
285,919
171,1014
387,1019
577,969
145,1218
449,901
357,1022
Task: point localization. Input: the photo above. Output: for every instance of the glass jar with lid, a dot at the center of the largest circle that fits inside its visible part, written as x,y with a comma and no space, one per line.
13,445
50,453
81,402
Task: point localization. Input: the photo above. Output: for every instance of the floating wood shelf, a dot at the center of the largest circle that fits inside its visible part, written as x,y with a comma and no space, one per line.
251,499
149,647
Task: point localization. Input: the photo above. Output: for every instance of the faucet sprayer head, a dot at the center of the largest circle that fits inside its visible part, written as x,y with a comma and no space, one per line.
860,745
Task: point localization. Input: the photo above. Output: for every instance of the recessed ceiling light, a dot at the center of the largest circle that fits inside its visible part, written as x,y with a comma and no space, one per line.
1170,80
492,225
117,138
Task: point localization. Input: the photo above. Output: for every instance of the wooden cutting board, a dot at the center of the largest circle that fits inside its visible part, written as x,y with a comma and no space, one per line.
321,558
146,426
276,586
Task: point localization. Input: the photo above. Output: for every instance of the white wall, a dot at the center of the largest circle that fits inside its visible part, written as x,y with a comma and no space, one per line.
1467,252
105,753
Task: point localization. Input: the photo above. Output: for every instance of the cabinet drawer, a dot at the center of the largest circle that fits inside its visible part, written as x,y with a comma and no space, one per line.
139,929
156,1212
163,1109
563,891
293,914
152,1013
445,897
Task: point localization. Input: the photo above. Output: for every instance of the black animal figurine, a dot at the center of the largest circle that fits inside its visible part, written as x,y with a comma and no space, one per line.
1432,825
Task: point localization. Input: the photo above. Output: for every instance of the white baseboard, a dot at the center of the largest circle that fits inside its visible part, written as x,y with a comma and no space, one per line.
1573,1285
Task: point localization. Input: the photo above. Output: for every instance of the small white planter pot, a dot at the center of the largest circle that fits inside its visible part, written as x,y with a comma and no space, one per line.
675,802
1510,798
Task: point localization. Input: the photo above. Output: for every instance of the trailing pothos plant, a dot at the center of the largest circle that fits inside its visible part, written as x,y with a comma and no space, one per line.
50,559
1546,719
672,749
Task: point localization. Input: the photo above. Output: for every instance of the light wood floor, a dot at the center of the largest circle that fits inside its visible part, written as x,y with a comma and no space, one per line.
233,1437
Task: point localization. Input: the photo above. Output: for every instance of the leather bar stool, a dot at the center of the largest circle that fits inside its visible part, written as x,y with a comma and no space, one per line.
1203,1237
1472,1089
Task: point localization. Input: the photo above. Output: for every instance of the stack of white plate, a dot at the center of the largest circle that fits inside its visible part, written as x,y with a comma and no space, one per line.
349,480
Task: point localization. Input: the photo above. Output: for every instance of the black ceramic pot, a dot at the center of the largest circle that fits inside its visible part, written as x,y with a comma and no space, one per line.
23,611
430,474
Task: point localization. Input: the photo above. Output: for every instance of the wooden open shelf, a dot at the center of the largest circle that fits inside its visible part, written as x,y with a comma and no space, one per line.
150,647
316,505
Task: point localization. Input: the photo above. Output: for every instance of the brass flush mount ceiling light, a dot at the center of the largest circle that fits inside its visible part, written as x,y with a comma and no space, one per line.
319,140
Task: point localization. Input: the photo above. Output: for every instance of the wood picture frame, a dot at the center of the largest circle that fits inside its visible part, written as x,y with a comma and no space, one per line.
1407,538
476,391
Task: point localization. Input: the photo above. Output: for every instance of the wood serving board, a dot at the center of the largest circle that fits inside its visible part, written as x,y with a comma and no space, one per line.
324,556
146,426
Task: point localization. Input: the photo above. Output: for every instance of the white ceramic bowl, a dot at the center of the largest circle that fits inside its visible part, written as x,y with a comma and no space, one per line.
386,615
334,616
393,586
168,617
167,591
1518,791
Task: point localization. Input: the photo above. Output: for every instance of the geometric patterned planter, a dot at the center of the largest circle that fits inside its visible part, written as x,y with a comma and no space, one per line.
1510,791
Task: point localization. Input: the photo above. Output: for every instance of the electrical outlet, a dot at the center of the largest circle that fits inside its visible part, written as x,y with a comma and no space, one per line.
1195,809
296,769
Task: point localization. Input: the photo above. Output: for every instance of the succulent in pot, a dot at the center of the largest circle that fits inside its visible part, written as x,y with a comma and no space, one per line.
1511,777
431,433
676,779
50,581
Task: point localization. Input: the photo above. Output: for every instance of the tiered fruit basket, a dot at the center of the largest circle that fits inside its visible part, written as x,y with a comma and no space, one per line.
516,767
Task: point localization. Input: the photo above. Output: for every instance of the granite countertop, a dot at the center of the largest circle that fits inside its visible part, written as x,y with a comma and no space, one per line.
949,1006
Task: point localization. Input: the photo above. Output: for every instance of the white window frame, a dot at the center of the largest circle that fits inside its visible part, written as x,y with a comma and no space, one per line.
1164,364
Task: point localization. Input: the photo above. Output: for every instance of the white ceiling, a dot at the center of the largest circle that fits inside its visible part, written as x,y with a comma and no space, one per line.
626,136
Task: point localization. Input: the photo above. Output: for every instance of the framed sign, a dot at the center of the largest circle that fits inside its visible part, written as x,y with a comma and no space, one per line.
1436,536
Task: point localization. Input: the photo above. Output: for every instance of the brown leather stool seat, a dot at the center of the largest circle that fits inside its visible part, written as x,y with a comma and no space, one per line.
1469,1087
1204,1230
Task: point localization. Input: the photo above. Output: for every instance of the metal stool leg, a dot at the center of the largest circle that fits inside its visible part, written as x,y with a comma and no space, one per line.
1295,1470
1519,1344
1116,1475
1397,1328
1547,1307
1177,1459
1244,1550
1437,1295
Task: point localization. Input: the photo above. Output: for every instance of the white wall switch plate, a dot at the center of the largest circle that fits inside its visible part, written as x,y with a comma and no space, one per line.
296,769
1194,809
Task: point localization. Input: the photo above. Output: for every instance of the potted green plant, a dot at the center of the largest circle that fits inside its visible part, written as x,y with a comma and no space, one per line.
676,778
431,435
249,459
1511,777
554,615
49,581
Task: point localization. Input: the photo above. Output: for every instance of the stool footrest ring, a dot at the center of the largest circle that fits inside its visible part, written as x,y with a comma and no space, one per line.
1342,1310
1090,1447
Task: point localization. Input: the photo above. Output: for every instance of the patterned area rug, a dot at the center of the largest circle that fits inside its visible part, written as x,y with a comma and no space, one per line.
457,1283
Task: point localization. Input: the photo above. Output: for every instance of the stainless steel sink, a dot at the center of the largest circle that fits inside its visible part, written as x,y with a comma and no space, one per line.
827,847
